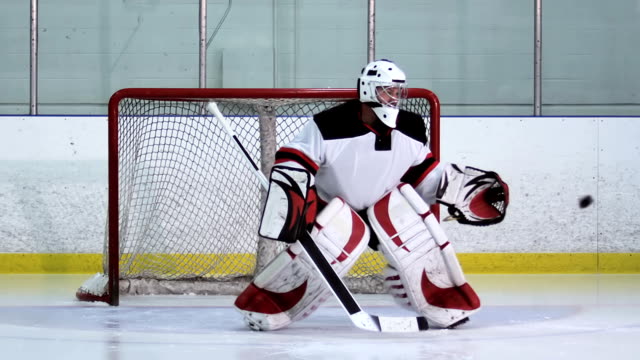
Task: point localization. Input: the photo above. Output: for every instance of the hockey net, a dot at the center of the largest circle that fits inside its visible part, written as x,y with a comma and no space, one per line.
184,207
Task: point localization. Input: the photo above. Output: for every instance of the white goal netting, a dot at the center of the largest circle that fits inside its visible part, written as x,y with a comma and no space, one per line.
188,205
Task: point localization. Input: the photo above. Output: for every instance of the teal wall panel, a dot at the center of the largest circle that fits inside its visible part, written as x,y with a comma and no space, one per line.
476,55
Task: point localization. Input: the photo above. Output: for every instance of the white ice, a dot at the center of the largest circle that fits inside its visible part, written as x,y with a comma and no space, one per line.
523,317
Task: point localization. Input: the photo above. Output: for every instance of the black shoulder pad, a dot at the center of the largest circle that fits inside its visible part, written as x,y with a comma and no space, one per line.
412,125
341,121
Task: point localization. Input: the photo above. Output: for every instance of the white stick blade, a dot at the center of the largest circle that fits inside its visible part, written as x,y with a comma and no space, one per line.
398,324
364,321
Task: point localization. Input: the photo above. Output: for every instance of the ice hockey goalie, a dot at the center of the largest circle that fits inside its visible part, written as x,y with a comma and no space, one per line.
361,174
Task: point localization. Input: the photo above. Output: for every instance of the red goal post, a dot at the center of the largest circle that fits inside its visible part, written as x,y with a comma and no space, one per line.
183,209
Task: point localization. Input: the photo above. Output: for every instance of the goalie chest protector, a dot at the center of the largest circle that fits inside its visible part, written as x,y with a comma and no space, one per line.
357,163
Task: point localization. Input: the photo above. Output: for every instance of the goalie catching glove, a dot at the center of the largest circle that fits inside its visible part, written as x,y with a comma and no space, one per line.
473,196
291,204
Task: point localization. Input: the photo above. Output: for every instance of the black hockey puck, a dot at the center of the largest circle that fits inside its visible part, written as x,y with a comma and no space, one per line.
585,201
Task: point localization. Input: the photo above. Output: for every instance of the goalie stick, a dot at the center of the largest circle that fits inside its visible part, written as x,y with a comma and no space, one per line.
359,317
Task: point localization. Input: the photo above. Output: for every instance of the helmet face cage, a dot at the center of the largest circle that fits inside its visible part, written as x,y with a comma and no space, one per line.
383,83
391,95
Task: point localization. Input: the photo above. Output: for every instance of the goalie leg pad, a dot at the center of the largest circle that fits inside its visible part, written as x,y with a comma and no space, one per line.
423,272
289,289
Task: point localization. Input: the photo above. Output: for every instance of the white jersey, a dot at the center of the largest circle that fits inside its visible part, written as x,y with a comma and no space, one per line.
359,163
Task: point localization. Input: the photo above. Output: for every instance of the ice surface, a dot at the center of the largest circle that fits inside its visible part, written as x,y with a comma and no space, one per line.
524,317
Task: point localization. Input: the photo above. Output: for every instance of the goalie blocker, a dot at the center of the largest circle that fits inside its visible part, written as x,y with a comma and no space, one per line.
291,203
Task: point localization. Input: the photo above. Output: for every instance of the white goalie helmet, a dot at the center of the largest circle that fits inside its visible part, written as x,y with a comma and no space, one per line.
383,85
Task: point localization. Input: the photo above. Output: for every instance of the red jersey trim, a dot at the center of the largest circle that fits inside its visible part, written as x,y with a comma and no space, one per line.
289,154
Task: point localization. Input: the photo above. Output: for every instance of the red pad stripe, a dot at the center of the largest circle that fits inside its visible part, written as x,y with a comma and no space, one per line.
296,204
381,210
459,297
357,232
264,301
